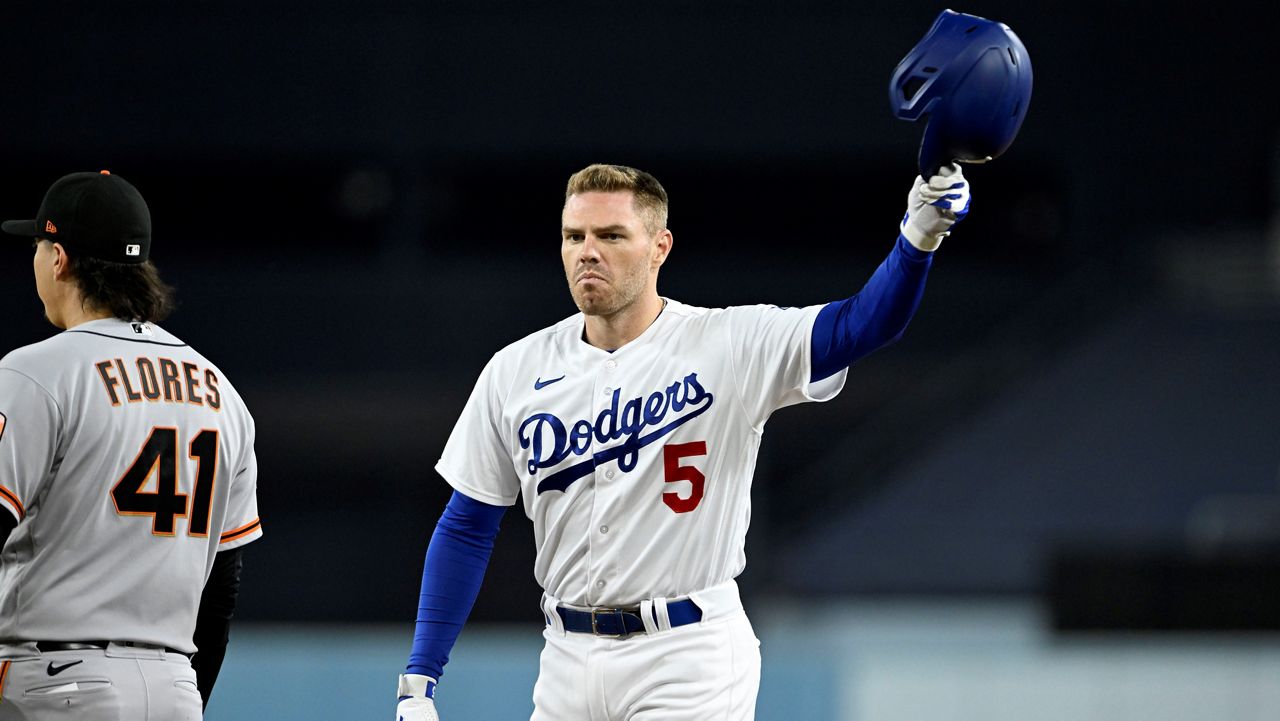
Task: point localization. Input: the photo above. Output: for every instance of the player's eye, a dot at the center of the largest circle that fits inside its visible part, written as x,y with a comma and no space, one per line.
573,238
612,236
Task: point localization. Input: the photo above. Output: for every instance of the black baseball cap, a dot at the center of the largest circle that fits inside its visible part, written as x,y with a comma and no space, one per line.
98,215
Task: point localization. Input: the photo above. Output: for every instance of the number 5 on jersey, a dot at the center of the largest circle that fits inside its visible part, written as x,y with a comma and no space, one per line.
671,455
159,457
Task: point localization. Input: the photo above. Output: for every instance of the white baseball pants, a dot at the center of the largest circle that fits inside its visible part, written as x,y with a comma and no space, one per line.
705,671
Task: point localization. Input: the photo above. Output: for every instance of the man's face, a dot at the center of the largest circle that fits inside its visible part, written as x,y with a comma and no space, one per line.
610,257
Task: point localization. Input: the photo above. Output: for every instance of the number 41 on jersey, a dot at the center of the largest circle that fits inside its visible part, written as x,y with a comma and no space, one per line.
159,457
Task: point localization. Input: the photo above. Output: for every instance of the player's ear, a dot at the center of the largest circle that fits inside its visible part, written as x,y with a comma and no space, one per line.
662,247
61,262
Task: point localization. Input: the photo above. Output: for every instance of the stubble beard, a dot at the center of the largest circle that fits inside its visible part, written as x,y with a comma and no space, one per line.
615,298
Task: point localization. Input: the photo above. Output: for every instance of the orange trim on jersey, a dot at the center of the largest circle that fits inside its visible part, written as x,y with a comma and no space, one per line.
240,532
12,497
4,671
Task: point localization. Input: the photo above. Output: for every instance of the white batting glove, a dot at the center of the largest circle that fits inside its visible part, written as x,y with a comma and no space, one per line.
417,698
935,206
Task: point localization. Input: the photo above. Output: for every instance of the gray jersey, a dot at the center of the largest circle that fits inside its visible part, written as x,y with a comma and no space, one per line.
127,458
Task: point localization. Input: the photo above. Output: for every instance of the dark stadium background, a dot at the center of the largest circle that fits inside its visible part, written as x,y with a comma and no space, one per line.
358,204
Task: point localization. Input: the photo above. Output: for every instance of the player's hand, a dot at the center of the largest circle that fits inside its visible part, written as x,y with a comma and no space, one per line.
417,698
935,206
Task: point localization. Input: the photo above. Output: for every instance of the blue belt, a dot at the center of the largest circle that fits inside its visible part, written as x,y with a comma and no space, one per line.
623,622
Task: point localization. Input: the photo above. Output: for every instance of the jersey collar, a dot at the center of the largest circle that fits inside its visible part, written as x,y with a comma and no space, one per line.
575,345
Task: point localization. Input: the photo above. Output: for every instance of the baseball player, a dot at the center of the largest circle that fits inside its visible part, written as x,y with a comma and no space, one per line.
630,430
127,480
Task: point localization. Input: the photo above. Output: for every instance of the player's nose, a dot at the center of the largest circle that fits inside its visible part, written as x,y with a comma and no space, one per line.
590,250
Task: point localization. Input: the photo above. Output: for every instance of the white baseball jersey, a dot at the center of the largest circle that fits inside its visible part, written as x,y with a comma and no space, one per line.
635,465
127,458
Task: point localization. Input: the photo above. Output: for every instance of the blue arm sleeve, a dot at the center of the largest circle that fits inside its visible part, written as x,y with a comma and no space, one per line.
849,329
456,560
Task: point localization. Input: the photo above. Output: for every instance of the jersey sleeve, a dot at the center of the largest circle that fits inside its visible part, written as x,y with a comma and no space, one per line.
771,349
477,458
29,422
242,525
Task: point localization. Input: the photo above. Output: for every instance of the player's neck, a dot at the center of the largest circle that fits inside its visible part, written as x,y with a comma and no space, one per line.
74,312
614,331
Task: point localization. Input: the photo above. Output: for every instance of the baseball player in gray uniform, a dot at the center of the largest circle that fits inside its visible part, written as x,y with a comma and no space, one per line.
630,430
127,481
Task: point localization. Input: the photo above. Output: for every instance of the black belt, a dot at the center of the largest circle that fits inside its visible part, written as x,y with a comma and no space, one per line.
623,622
47,646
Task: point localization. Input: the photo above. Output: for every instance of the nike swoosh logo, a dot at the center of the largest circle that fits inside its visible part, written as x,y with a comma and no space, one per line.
540,384
55,670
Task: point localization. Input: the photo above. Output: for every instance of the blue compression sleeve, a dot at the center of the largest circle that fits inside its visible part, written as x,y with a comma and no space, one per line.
456,560
850,329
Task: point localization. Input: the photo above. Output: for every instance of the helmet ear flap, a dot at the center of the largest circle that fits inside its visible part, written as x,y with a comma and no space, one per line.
933,150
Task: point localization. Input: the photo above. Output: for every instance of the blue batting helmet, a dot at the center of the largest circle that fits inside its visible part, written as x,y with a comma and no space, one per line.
972,78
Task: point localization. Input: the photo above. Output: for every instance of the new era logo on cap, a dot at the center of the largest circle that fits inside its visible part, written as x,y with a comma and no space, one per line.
2,425
133,250
49,227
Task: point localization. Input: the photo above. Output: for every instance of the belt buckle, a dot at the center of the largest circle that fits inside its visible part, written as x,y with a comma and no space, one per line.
595,628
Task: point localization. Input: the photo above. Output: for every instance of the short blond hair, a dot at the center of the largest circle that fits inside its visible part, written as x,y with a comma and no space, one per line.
650,197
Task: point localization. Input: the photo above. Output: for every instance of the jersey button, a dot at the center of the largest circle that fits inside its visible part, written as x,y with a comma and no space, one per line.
607,391
611,365
608,473
599,584
604,529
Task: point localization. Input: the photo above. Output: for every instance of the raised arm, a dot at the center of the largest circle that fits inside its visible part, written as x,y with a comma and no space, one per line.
877,315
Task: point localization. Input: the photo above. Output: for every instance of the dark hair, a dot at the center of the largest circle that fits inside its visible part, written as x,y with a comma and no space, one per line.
127,291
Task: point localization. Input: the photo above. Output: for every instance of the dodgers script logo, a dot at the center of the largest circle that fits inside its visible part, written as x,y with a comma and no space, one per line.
552,441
